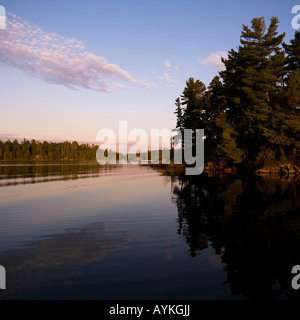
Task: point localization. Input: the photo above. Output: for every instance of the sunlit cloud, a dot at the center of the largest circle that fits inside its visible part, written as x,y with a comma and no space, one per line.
118,85
56,59
168,80
168,64
214,60
169,76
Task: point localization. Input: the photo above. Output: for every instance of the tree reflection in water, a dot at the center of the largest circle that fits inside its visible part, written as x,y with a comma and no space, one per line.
60,258
15,173
253,223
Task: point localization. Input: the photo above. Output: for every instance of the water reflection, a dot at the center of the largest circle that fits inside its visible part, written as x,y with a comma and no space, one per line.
253,224
12,174
59,258
115,237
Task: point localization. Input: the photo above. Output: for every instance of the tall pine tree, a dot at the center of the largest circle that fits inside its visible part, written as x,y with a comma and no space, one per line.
254,80
250,113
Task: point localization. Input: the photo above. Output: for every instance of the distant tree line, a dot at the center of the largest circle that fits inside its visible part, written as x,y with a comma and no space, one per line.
251,111
33,150
63,151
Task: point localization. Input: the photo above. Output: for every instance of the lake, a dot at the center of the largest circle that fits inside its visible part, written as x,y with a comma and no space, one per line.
126,232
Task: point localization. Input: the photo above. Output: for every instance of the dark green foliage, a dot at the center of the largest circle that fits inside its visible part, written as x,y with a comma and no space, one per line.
45,151
250,113
193,100
179,115
293,52
292,95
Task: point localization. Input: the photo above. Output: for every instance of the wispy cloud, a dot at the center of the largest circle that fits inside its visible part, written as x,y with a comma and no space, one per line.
169,76
118,85
168,80
214,60
57,59
168,64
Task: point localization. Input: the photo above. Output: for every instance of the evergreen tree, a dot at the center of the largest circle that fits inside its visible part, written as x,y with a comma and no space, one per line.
292,93
228,153
32,150
293,53
192,99
250,113
215,104
179,114
254,80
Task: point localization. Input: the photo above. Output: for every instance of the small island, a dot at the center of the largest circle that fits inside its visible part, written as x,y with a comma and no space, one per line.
250,112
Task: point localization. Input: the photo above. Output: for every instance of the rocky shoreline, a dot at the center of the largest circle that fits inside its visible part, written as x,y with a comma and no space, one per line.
288,169
280,170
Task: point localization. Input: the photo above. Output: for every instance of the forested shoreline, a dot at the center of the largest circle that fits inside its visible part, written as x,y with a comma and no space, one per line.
250,112
46,151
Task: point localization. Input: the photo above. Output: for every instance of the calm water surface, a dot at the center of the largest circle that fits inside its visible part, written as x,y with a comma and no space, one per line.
81,231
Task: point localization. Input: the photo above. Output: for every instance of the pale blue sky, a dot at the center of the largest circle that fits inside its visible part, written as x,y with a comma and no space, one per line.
152,47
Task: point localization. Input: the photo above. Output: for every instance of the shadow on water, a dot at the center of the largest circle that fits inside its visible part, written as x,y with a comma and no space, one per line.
253,223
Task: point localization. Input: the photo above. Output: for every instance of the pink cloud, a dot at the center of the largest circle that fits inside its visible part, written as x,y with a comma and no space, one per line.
214,60
57,59
167,64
